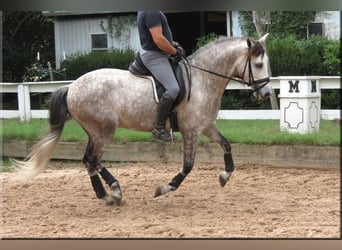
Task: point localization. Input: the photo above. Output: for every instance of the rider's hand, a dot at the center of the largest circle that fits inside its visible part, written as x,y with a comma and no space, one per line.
180,52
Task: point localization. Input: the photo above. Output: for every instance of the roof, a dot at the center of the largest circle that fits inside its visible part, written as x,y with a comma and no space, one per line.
88,13
78,13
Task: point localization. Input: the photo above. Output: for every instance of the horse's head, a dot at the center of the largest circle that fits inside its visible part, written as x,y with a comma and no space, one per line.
255,71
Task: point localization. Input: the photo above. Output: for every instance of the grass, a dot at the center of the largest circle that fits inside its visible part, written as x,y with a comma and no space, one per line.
5,165
268,132
237,131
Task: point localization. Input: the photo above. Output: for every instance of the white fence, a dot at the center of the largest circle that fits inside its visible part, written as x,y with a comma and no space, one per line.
25,113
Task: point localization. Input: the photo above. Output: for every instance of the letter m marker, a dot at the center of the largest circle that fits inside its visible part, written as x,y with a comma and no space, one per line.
294,86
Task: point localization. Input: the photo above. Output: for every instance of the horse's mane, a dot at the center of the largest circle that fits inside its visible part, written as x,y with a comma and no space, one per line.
256,49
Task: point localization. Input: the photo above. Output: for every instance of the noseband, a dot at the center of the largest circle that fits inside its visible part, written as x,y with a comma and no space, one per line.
251,82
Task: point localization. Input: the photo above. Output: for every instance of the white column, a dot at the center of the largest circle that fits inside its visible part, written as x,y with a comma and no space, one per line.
24,103
21,102
229,23
27,102
300,104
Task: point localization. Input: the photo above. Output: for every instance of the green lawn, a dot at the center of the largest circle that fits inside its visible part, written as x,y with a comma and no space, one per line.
236,131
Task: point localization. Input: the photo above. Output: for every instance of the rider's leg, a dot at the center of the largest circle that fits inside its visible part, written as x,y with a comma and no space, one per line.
159,66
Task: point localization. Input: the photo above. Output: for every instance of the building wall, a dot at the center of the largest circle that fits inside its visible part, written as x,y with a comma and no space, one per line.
332,23
73,32
236,30
73,35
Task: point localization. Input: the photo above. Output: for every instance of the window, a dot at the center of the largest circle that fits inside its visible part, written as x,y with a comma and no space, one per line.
315,29
99,42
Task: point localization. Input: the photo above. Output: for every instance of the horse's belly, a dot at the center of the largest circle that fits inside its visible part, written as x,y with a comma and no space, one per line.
138,115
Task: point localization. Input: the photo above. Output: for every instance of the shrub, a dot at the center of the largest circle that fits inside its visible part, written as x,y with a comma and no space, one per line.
79,64
290,56
314,56
331,99
203,40
332,58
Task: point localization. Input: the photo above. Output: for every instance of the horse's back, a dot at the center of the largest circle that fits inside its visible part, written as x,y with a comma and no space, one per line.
114,95
104,83
102,77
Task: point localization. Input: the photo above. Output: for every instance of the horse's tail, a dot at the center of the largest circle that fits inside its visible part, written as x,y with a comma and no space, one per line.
41,153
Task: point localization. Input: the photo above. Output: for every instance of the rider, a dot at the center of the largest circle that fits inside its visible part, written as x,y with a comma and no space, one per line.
157,47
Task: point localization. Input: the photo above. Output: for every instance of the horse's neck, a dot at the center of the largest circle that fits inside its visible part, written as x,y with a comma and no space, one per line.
218,59
221,58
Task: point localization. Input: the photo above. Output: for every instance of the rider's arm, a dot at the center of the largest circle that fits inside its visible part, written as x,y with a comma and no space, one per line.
160,40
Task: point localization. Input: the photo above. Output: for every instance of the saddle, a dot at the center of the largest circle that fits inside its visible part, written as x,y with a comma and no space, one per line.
138,68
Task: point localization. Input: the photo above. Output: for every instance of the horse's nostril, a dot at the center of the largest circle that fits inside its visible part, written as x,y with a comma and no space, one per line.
267,95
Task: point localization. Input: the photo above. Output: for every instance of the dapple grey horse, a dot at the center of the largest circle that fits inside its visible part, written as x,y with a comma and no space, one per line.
102,100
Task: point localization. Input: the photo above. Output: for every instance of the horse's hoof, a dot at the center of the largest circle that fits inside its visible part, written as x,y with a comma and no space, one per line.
116,194
109,200
163,189
224,177
117,197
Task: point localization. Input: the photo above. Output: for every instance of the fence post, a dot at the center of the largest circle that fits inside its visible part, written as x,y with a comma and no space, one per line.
273,100
24,103
27,102
300,104
50,71
21,102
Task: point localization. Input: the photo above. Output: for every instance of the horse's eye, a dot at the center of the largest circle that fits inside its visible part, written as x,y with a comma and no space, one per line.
259,65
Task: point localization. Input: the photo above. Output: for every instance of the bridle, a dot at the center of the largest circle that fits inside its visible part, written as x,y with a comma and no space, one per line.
251,82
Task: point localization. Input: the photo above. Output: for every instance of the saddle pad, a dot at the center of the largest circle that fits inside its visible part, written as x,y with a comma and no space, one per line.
154,87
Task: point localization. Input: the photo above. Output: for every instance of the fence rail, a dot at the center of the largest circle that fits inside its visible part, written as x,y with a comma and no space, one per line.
25,89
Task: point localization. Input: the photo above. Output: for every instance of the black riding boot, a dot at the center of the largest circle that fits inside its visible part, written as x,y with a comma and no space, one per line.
164,108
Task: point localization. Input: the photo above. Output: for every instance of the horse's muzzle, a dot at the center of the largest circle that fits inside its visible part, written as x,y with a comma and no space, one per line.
263,93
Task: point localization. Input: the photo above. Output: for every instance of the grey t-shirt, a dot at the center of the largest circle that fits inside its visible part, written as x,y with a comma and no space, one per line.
150,19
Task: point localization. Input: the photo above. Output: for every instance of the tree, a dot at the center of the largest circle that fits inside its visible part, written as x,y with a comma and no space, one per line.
261,20
278,23
24,34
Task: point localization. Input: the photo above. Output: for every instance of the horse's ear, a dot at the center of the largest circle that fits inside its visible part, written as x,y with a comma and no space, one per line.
262,40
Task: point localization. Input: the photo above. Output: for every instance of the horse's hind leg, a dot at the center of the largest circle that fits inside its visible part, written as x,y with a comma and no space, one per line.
213,133
92,162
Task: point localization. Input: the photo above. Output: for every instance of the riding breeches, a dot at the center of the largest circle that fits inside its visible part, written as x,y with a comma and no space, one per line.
158,64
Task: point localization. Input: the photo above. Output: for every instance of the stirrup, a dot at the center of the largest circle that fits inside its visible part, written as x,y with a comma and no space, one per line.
161,134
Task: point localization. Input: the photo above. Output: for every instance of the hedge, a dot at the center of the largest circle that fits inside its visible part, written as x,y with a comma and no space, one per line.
314,56
288,56
295,57
79,64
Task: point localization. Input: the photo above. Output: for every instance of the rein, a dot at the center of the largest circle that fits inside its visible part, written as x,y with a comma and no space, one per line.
250,83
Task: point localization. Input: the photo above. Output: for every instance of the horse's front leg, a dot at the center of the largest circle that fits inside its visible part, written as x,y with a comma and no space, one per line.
189,151
212,133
